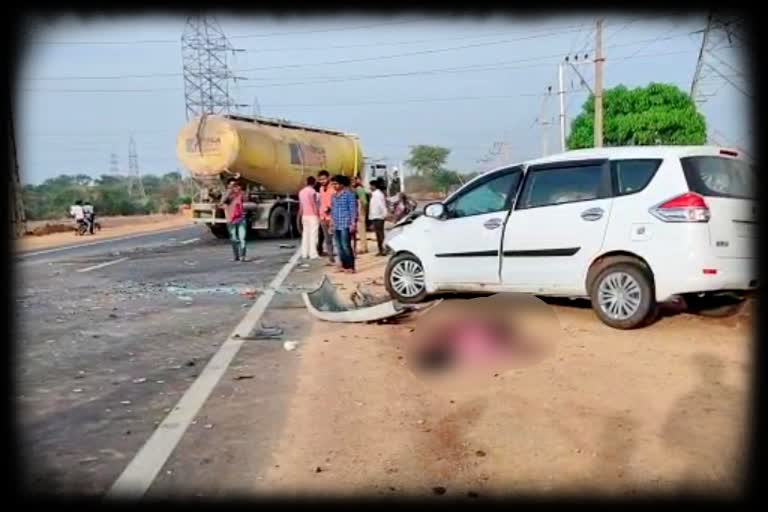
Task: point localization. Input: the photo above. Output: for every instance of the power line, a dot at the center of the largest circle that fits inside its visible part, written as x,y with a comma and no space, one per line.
472,68
345,61
242,36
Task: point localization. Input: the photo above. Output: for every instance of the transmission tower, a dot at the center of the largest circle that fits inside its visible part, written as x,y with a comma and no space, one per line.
715,67
134,175
207,76
114,165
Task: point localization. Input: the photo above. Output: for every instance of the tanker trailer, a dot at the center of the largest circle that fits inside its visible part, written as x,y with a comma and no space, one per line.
271,157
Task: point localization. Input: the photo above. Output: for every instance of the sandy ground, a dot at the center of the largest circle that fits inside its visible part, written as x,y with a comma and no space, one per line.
617,412
111,227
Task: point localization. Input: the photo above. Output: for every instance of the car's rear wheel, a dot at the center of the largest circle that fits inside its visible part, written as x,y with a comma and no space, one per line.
622,296
405,279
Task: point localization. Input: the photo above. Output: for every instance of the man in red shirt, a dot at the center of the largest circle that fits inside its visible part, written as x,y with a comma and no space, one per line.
234,210
326,224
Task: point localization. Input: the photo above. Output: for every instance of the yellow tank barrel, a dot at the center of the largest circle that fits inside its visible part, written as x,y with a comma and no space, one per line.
277,155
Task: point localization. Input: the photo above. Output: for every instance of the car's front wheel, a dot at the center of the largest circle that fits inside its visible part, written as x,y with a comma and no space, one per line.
622,296
405,279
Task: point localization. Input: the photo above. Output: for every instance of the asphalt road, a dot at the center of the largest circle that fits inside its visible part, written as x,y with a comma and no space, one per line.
111,335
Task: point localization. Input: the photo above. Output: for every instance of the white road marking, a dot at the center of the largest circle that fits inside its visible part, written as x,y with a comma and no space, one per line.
138,476
102,265
77,246
191,240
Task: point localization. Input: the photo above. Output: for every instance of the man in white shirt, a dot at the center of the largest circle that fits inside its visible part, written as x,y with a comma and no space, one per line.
77,212
377,212
309,213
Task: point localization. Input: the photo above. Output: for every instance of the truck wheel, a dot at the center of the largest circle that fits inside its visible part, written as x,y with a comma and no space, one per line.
219,231
297,227
622,296
279,222
404,279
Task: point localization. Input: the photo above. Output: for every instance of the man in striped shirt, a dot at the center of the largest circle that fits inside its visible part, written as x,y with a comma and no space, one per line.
344,219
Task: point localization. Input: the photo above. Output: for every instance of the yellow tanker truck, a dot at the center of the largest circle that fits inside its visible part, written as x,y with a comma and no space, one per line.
271,157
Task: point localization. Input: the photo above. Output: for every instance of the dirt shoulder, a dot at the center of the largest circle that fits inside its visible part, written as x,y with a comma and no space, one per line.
610,411
111,227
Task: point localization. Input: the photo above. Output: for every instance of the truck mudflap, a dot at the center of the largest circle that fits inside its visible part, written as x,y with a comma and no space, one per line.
324,303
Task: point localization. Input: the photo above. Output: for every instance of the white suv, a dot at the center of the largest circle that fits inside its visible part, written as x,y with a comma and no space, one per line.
627,227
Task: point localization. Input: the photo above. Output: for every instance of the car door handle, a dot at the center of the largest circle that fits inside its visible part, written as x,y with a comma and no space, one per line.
592,214
492,224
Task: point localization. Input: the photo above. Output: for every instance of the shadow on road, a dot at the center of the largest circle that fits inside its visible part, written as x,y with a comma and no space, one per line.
705,431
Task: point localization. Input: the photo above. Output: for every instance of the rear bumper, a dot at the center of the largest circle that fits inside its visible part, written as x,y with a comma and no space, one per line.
732,274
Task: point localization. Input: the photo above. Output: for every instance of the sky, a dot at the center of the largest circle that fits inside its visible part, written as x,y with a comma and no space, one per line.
87,85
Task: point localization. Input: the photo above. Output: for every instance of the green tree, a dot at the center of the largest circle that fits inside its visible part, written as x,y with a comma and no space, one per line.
427,159
443,179
656,114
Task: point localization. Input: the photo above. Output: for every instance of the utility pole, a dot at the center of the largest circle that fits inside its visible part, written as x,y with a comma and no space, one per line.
544,123
561,93
18,216
599,60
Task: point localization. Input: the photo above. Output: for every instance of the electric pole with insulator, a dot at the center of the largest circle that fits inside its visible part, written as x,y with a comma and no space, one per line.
599,60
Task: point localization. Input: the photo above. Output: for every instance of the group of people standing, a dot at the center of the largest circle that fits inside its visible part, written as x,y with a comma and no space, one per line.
335,213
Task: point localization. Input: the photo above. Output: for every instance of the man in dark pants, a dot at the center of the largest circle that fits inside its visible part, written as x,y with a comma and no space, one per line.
377,211
344,221
320,237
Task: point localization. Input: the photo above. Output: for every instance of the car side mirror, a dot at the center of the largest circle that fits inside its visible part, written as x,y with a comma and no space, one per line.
434,210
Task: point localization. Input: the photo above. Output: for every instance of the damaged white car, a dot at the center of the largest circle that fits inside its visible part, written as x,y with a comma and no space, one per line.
627,228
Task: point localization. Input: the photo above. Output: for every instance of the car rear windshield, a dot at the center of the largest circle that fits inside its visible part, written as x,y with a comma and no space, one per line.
714,176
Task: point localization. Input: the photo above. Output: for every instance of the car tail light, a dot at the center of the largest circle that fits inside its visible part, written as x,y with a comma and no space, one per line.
689,207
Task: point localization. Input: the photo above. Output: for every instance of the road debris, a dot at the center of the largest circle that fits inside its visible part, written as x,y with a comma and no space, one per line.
208,426
325,304
290,345
266,333
243,377
77,390
126,402
139,381
248,292
287,246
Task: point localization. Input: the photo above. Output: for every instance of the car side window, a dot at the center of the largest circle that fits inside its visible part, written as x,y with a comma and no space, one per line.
488,197
560,185
631,176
